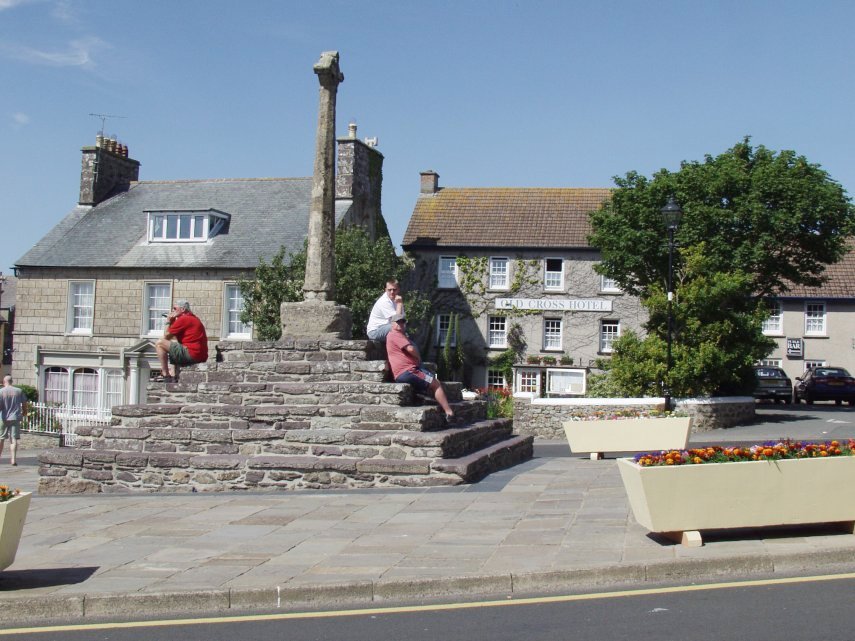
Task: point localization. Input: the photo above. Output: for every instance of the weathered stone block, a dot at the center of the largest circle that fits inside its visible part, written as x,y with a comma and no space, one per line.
67,485
381,466
217,462
131,459
61,457
97,475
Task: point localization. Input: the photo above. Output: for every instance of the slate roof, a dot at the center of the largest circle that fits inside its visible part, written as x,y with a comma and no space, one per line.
504,217
265,213
840,284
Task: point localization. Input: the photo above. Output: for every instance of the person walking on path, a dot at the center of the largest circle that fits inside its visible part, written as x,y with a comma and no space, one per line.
13,407
406,364
184,341
389,304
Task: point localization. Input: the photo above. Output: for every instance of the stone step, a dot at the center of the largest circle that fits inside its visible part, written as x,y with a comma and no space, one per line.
473,467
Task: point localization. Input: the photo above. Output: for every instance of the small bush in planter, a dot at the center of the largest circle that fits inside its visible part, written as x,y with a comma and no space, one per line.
566,360
548,360
532,360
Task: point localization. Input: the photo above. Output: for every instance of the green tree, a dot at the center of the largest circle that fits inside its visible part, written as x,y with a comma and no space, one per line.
362,267
755,223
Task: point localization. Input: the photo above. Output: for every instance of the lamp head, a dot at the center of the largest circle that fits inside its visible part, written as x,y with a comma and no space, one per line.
672,213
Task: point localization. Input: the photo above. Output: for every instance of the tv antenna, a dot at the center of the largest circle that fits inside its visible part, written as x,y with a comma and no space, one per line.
103,118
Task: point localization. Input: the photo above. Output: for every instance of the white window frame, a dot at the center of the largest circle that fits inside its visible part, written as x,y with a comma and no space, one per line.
774,325
232,308
497,331
72,317
549,283
549,334
500,273
771,362
609,285
443,325
446,274
576,387
527,381
152,320
815,318
608,338
810,364
496,378
165,226
109,387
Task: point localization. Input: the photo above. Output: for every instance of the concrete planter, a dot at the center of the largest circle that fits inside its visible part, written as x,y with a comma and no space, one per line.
679,501
13,513
628,435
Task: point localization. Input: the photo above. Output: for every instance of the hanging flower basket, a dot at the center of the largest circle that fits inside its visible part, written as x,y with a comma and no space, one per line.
13,513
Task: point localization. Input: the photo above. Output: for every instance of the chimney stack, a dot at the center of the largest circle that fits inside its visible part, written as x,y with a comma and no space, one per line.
430,182
359,180
106,170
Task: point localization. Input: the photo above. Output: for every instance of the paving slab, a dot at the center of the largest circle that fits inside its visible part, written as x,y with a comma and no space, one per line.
557,522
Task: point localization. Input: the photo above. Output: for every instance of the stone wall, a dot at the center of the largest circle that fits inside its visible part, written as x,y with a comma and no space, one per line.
543,417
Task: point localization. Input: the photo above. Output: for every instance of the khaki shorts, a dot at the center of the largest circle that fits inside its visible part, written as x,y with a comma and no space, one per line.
178,355
11,427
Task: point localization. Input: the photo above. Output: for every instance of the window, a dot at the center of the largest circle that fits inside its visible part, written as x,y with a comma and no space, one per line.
552,334
56,385
447,274
443,326
158,302
609,332
553,278
114,386
498,273
775,323
608,284
495,378
81,307
565,381
234,328
497,336
812,364
184,227
771,362
815,319
528,382
84,387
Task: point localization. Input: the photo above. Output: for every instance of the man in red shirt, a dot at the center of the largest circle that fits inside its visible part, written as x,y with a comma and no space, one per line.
407,366
184,341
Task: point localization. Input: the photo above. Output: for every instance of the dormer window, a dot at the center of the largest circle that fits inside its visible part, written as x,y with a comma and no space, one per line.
184,226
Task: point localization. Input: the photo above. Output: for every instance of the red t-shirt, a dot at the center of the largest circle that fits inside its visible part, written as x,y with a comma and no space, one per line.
190,332
400,360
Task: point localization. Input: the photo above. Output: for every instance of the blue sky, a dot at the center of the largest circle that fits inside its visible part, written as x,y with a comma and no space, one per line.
486,93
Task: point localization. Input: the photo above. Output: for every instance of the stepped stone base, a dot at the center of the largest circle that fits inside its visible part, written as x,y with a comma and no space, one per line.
293,414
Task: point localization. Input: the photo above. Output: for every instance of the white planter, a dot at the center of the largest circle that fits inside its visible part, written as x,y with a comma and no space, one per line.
682,500
13,513
628,435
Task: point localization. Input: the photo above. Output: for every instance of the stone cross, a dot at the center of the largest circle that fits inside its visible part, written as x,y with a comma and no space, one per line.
320,255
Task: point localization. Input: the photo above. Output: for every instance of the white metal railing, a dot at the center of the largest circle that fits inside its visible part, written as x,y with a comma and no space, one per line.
63,419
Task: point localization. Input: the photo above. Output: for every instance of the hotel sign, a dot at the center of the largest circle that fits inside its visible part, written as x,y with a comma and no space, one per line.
556,304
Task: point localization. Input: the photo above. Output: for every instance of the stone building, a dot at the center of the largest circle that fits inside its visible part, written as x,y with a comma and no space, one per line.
7,322
501,257
518,258
93,291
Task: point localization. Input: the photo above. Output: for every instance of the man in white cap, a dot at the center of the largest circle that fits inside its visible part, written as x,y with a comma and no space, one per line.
407,365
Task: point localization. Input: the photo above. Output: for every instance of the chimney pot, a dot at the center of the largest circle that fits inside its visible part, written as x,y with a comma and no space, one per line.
351,130
430,182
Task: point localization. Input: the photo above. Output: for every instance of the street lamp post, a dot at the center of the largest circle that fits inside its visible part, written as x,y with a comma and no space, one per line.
671,214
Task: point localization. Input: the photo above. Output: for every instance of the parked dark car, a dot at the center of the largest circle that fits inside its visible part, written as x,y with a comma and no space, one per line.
773,382
825,384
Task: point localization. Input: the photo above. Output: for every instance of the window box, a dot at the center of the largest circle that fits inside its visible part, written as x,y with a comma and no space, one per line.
548,360
532,360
